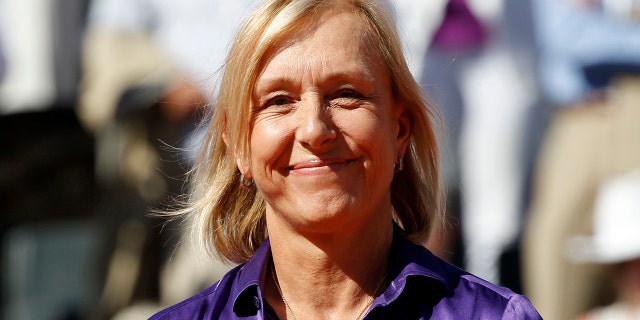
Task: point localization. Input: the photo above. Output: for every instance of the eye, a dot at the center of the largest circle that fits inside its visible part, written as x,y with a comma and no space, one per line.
346,98
348,94
277,101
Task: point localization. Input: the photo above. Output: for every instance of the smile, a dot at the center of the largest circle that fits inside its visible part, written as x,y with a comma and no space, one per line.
314,165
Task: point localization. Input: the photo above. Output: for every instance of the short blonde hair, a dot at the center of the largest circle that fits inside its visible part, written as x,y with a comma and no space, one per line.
229,219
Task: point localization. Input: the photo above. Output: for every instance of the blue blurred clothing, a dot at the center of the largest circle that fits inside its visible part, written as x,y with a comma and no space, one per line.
571,39
422,287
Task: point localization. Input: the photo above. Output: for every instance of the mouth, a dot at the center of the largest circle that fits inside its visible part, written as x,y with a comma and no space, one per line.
315,164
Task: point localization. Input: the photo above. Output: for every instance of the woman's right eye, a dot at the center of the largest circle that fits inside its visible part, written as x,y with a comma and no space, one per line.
278,101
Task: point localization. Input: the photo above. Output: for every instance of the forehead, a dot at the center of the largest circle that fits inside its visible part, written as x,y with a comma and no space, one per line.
337,39
295,22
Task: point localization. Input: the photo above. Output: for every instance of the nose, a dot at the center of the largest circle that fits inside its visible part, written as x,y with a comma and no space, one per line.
315,126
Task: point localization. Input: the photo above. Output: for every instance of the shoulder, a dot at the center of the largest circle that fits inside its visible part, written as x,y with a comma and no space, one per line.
210,301
471,295
431,283
235,296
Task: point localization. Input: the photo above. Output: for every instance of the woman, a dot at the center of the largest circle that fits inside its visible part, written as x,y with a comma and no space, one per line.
321,140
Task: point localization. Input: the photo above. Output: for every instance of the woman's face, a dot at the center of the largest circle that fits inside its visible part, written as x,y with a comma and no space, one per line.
326,130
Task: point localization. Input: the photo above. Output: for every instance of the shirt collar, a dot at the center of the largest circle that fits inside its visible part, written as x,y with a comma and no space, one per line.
407,262
248,299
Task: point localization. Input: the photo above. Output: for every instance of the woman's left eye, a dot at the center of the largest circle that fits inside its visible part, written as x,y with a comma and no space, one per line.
346,98
349,94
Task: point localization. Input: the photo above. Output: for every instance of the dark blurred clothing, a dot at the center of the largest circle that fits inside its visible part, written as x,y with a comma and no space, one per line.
47,168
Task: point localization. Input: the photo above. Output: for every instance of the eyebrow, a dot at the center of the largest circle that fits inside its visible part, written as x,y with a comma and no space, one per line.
272,83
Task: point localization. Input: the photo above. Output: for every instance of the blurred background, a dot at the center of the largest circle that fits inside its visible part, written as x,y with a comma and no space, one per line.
100,102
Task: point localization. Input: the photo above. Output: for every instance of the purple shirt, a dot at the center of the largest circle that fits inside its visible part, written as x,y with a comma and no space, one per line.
423,287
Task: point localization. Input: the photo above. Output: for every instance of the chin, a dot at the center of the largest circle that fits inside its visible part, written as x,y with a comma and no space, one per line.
327,217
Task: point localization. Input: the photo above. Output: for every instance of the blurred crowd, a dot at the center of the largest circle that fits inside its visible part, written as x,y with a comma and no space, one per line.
102,103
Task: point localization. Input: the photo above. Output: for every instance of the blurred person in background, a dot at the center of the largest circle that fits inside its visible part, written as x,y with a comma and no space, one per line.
589,58
50,243
149,67
479,71
615,245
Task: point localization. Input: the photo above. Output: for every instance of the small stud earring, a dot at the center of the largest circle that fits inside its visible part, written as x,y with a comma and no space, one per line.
247,183
400,165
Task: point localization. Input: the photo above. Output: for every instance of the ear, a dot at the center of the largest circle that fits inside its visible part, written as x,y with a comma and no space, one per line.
243,166
241,163
405,126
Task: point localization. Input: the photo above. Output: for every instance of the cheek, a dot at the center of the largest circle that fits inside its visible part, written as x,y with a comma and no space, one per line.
269,141
372,136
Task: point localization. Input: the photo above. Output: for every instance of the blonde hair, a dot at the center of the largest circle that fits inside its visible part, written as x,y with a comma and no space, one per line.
229,219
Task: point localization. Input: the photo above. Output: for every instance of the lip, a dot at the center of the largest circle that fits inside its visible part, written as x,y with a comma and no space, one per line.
316,164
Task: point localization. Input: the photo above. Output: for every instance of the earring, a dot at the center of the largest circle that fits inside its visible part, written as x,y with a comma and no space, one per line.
400,165
247,183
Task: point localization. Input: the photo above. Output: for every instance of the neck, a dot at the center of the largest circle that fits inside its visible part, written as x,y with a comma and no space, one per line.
329,276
